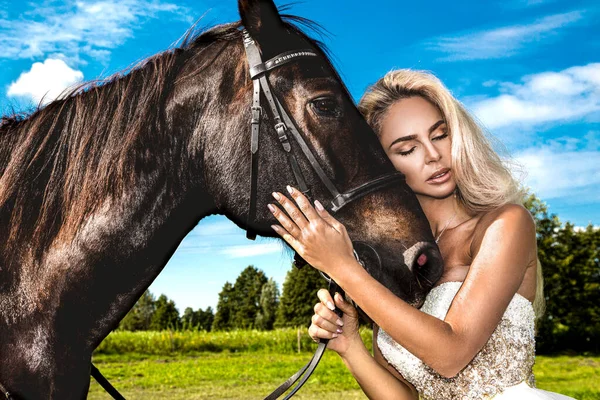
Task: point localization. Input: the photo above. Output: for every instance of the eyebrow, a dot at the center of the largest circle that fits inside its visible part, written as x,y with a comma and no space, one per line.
411,137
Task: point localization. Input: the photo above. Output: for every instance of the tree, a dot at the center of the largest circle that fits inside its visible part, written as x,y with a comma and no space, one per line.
299,297
139,317
246,297
197,320
205,319
571,266
269,300
222,320
189,319
166,315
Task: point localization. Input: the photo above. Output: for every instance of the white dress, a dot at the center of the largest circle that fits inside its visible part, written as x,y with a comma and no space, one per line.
502,369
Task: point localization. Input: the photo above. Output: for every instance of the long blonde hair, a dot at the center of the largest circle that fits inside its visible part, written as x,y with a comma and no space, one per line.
484,181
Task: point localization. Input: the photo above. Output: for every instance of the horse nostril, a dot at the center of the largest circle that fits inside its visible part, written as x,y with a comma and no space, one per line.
428,266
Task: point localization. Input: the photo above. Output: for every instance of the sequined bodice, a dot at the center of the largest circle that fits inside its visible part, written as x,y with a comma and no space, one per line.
505,360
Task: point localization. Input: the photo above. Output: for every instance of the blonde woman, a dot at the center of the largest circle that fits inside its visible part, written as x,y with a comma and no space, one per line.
473,337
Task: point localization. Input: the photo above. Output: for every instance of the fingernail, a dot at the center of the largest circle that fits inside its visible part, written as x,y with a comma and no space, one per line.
319,205
330,306
340,322
334,335
274,227
340,298
271,207
289,189
276,195
339,331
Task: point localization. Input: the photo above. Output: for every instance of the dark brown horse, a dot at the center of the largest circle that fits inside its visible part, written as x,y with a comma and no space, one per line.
97,189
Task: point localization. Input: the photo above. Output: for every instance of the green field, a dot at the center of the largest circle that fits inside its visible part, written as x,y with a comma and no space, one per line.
240,367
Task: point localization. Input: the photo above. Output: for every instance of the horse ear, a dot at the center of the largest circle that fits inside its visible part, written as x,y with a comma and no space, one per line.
260,17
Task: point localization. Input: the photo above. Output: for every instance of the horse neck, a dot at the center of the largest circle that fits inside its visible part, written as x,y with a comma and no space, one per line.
92,278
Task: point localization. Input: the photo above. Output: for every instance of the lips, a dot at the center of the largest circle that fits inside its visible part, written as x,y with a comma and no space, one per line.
439,172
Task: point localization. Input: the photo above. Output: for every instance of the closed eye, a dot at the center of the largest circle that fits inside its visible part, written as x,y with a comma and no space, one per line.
441,137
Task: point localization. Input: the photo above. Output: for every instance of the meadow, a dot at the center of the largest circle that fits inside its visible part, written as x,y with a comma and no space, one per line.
250,364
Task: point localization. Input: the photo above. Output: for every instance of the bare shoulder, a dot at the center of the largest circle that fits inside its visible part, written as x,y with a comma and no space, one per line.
509,219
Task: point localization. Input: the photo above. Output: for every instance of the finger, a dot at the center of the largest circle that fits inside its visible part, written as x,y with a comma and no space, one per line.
324,214
323,323
284,220
290,208
345,306
325,297
319,333
328,315
292,241
304,204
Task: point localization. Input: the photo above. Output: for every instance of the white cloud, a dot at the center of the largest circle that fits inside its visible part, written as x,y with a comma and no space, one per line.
500,42
570,94
45,80
563,168
95,26
252,250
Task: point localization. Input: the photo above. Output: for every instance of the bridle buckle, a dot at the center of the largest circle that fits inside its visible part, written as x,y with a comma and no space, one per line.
256,115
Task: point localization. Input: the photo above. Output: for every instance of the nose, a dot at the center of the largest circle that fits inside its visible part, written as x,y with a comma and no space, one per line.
425,261
431,153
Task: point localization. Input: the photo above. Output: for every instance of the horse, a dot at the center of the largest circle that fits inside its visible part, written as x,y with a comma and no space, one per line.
99,187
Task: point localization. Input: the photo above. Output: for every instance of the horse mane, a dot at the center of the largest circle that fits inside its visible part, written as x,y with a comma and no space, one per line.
55,169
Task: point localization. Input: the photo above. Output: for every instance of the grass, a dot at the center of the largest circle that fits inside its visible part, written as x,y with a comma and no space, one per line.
249,365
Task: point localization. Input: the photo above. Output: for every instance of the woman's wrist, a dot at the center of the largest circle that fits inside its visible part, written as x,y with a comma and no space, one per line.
355,347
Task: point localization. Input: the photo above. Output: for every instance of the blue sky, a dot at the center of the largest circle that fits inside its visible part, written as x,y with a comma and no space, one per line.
528,69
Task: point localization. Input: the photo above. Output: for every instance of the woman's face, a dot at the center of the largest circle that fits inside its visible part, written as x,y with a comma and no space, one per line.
415,138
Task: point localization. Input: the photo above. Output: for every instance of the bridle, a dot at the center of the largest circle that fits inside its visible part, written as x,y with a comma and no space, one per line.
284,125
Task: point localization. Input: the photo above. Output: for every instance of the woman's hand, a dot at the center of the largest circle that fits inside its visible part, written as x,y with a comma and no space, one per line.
342,332
317,237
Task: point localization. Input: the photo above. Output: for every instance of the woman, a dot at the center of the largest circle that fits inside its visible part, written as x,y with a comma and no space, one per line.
473,337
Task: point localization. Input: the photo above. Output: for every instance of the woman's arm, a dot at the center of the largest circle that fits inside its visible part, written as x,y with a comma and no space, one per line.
382,361
494,277
376,381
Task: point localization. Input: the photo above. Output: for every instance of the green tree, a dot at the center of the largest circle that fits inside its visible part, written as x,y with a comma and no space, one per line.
139,317
246,297
189,319
197,320
205,319
269,300
299,296
166,315
571,266
222,320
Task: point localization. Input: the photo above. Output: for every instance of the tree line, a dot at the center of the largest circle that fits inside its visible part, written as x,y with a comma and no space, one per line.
151,314
570,261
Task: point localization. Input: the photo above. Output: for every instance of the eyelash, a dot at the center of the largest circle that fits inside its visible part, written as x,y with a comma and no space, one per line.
405,153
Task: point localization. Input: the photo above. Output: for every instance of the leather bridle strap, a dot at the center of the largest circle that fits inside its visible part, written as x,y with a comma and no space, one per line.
283,125
6,393
306,371
102,381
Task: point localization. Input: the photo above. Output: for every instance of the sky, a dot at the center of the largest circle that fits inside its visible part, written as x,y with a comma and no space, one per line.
529,70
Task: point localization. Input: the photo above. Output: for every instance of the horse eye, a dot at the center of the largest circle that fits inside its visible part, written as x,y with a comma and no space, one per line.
326,107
